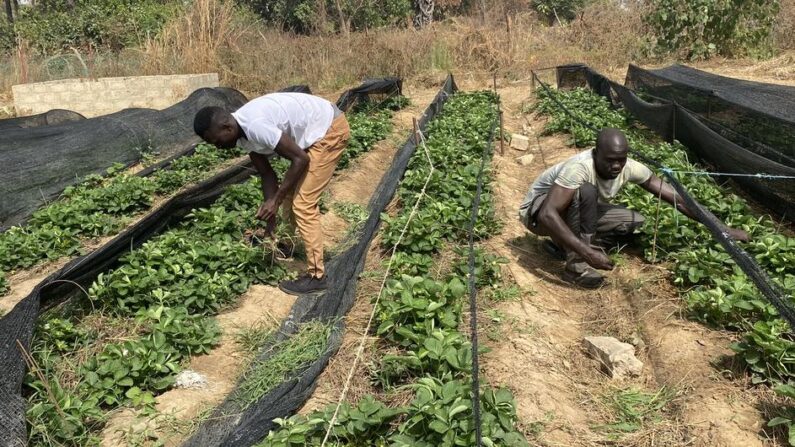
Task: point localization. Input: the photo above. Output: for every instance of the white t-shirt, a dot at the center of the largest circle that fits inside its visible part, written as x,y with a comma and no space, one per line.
578,170
305,118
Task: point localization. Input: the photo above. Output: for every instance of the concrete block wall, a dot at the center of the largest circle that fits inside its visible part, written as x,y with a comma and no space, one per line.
100,96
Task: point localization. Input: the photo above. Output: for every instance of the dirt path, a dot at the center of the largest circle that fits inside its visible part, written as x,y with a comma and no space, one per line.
537,350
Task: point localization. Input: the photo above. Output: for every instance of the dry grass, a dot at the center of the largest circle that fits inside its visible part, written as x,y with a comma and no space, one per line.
212,35
783,38
506,37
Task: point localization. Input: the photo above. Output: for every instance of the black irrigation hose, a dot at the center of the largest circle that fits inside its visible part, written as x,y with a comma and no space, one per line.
772,291
473,293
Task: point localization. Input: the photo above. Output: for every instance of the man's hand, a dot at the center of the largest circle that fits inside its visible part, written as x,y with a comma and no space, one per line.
597,259
738,235
268,209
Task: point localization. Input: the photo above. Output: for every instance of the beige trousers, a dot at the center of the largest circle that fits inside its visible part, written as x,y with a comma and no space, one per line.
301,207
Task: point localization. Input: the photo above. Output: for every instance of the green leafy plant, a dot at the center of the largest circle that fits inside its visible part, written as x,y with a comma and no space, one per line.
366,423
99,206
559,10
704,28
488,270
786,418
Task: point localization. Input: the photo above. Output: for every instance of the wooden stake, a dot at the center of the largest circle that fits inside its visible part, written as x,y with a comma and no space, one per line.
502,134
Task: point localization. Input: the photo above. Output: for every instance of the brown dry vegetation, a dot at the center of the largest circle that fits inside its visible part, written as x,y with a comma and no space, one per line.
212,36
505,37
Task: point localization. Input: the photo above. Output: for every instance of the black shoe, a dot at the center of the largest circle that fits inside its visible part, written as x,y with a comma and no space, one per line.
588,279
553,250
303,285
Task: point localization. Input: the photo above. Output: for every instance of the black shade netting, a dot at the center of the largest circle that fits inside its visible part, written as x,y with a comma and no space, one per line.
755,111
369,90
16,328
38,163
49,118
228,425
700,139
723,149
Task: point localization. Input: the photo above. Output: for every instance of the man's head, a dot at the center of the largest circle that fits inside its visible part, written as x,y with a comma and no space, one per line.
217,126
610,154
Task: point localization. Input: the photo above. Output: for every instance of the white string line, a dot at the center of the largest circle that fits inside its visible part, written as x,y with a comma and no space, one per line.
364,337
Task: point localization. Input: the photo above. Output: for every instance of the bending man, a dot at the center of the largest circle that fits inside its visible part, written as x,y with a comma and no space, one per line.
312,134
569,202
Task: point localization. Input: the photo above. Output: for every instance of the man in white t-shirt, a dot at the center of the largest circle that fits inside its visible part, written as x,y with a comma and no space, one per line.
312,134
569,202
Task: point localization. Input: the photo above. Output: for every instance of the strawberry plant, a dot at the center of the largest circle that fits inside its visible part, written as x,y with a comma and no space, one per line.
99,206
418,317
152,361
488,270
410,264
164,293
786,417
367,423
715,290
370,122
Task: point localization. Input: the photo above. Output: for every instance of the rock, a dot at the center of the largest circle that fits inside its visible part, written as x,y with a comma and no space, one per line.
526,160
617,357
190,379
520,142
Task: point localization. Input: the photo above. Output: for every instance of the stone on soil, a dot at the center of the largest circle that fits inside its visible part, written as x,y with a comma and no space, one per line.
526,160
617,357
190,379
520,142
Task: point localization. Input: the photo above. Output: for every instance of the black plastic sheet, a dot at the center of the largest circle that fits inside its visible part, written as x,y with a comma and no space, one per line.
228,426
386,87
49,118
38,163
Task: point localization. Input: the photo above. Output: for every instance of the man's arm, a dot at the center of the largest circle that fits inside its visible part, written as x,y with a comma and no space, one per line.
659,188
270,183
299,162
550,216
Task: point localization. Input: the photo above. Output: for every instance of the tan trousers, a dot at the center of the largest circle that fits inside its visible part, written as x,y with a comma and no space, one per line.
301,207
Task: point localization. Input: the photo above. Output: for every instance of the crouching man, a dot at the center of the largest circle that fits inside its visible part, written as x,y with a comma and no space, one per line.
570,203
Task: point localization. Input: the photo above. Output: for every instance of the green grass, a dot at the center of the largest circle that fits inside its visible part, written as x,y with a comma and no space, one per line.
288,358
510,293
633,410
352,213
252,339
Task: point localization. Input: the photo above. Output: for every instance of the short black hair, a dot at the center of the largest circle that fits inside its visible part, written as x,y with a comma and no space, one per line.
206,118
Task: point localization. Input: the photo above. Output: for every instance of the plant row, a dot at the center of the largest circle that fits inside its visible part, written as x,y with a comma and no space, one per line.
100,206
127,341
420,312
713,287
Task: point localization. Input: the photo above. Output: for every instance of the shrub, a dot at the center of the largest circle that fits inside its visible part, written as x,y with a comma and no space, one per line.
704,28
